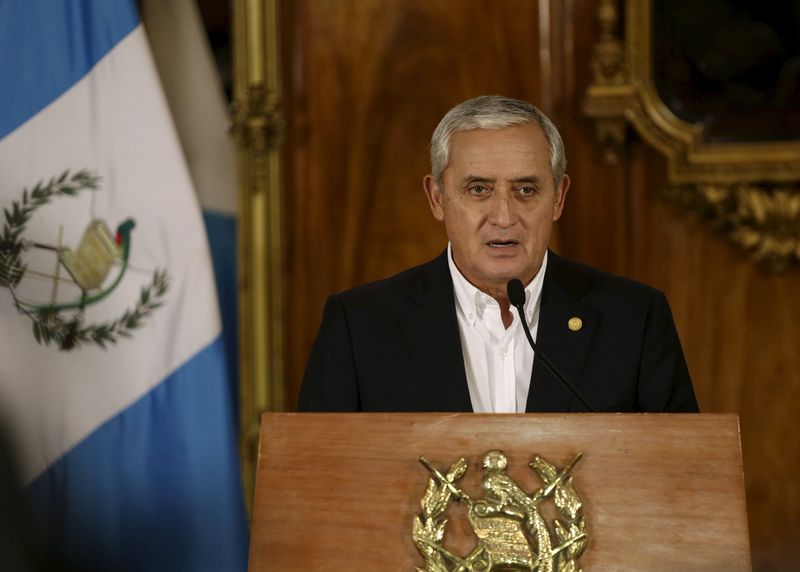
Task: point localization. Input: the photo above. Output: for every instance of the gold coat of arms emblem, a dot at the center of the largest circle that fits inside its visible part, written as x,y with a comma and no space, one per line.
512,534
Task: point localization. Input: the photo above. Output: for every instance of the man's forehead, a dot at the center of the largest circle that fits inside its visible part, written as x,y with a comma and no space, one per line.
509,152
530,126
527,137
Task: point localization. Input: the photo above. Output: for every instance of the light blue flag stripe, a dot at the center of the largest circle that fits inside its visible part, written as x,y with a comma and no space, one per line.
149,489
41,57
221,230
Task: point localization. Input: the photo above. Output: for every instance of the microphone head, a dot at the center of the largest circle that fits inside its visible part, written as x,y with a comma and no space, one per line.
516,292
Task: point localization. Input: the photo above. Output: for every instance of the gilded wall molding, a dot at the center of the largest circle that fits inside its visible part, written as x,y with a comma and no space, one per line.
761,219
748,189
259,129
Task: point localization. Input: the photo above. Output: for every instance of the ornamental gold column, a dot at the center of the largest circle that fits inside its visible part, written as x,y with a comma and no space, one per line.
258,124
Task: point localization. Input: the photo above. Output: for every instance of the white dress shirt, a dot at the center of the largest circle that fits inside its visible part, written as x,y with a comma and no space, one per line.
498,361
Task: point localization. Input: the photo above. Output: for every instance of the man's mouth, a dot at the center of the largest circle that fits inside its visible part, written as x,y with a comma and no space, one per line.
502,243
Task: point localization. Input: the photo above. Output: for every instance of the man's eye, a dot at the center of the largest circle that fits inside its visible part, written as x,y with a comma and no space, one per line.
478,190
526,191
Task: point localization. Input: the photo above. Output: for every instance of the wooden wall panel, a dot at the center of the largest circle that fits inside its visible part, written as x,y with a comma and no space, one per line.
367,81
594,228
738,328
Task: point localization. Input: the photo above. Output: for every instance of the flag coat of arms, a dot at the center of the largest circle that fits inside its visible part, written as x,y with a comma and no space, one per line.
126,442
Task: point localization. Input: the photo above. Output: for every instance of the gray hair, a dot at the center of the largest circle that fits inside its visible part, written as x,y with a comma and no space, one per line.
494,112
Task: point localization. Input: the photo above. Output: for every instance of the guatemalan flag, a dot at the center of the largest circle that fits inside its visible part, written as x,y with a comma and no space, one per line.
127,452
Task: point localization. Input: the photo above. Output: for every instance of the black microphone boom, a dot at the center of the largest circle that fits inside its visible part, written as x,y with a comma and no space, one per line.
516,296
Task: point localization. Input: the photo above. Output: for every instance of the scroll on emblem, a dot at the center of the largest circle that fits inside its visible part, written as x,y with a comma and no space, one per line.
511,532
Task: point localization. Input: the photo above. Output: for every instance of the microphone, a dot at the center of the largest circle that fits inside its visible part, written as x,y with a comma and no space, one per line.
516,296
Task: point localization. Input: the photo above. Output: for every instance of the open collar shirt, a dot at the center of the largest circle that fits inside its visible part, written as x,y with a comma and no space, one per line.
498,361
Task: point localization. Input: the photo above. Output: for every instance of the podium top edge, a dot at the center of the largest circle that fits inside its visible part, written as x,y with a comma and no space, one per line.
431,415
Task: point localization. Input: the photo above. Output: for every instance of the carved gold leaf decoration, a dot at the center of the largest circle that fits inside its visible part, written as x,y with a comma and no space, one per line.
608,52
457,470
567,500
762,219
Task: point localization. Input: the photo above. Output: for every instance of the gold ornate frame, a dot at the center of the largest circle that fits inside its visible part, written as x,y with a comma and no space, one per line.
258,124
750,190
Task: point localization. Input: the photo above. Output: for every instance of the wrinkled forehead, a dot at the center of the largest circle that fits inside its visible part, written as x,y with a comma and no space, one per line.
520,150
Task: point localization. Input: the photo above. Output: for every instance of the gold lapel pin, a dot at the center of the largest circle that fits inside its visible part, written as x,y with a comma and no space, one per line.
575,323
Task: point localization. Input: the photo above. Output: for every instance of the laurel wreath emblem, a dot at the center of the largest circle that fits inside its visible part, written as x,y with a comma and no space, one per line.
50,325
568,531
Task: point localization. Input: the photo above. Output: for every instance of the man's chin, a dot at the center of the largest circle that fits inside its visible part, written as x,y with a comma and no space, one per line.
504,270
501,278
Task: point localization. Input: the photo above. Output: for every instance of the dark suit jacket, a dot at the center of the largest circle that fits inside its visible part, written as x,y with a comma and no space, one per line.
394,345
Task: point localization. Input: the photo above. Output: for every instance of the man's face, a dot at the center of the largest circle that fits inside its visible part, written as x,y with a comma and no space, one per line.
498,204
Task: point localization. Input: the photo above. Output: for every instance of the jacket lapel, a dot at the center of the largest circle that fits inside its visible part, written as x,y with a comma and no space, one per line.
431,335
567,349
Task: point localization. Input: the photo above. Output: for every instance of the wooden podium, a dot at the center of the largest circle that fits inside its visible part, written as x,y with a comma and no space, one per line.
660,492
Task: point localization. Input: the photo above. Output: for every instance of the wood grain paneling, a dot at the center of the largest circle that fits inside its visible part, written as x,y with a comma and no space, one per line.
595,225
738,327
367,81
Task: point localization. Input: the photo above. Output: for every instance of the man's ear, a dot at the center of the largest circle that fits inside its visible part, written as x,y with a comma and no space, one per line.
561,197
434,195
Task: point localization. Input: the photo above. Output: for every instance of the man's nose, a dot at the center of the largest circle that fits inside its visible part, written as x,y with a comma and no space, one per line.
502,212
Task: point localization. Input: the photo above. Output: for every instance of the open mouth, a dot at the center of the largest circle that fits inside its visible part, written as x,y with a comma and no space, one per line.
502,243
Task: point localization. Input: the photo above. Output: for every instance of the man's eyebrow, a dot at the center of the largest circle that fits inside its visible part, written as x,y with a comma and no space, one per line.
528,179
469,179
531,179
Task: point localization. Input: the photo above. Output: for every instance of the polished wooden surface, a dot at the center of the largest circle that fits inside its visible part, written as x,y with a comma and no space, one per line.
367,81
339,492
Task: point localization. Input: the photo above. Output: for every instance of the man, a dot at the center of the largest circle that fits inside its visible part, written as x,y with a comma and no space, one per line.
442,336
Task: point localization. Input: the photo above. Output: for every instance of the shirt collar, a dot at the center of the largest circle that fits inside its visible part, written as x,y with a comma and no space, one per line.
471,302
